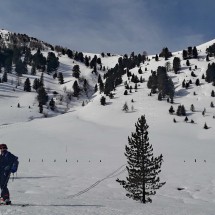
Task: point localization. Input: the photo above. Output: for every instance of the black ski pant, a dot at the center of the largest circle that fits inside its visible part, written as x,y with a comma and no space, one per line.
4,178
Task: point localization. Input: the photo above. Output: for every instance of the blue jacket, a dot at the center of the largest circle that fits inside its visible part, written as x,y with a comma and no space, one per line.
8,163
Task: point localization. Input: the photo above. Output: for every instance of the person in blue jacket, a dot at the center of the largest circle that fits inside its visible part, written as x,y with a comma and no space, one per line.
8,164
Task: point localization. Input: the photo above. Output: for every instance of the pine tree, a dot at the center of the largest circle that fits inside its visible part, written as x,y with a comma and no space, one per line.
156,58
140,71
76,71
126,92
103,100
28,56
153,82
99,79
125,107
143,168
27,85
193,74
86,61
190,51
52,62
212,93
85,86
183,110
95,88
40,108
16,55
205,126
42,96
165,53
21,68
33,70
203,113
36,84
159,97
135,87
4,77
188,63
178,112
186,119
39,60
176,64
197,82
111,95
212,104
41,81
55,75
101,87
8,65
171,110
76,89
210,74
52,104
141,79
95,70
184,54
192,108
60,78
184,84
195,52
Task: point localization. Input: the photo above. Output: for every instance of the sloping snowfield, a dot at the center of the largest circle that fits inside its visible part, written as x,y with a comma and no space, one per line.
69,163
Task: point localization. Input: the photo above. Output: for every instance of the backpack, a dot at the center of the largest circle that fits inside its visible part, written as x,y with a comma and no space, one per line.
15,165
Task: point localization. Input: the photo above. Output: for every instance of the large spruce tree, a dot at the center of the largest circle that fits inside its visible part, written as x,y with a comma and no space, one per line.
143,168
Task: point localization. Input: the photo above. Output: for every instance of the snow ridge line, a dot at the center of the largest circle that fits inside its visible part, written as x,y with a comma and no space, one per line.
111,175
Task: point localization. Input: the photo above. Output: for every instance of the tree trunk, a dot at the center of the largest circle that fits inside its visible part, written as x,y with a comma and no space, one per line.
143,184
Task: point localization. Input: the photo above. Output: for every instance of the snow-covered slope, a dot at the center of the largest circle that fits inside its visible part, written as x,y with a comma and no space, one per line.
63,155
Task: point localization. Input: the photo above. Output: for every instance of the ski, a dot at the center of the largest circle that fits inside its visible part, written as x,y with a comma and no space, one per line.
2,202
16,204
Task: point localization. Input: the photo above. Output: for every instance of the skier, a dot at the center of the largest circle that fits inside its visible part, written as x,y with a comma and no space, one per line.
8,164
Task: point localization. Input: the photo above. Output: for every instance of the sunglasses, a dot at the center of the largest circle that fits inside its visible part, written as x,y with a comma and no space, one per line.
3,148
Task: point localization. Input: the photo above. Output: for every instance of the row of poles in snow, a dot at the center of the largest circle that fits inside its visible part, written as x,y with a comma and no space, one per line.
55,160
89,161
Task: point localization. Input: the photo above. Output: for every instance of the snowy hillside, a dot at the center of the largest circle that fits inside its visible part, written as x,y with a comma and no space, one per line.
63,155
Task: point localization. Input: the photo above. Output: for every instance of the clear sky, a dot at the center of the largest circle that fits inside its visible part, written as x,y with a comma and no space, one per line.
116,26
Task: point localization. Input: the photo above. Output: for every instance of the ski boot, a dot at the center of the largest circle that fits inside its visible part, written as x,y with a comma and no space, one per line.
5,202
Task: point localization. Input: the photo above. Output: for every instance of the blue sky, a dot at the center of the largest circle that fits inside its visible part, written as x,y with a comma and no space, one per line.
117,26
